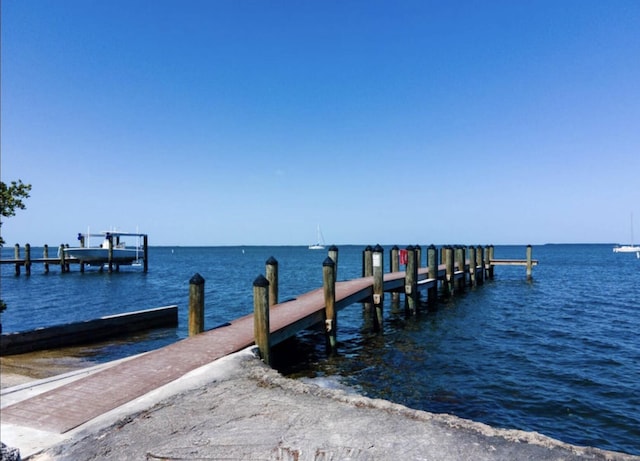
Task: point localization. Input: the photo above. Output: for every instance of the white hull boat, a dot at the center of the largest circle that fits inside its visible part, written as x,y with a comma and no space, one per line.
120,254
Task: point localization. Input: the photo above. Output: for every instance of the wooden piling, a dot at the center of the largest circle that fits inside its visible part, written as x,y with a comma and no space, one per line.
418,249
411,281
110,253
61,255
459,264
490,257
472,266
27,259
16,256
45,255
145,251
333,254
480,263
196,305
394,266
367,263
329,287
378,285
261,327
272,278
529,262
449,266
367,271
432,265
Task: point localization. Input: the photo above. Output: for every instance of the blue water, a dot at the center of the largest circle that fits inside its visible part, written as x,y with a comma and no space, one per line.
559,355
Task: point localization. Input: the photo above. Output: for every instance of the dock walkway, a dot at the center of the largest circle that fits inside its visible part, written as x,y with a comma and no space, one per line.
64,408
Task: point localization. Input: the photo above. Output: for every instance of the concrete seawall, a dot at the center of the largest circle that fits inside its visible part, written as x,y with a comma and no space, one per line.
87,331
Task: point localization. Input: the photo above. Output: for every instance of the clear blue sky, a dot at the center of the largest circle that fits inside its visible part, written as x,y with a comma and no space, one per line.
221,122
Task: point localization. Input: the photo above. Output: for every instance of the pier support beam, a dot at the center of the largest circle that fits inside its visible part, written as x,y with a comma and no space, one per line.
490,257
432,264
272,278
333,254
331,318
367,263
145,246
394,266
411,281
16,256
45,255
472,266
261,328
480,263
110,253
196,305
378,286
27,259
529,262
460,263
367,271
63,263
449,265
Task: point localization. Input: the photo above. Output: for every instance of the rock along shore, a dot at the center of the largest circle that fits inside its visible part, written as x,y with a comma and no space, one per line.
238,408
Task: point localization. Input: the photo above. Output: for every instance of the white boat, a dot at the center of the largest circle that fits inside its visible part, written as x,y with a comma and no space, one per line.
319,245
628,248
100,255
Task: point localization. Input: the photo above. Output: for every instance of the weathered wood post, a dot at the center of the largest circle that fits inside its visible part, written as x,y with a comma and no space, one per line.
490,259
261,328
378,285
486,262
329,287
480,263
16,256
367,263
145,251
333,254
81,238
61,255
394,266
460,263
418,250
27,259
45,255
110,254
67,264
472,266
196,305
529,262
432,264
272,278
367,271
448,262
411,281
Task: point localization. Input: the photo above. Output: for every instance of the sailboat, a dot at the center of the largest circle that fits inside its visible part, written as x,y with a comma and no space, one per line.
629,248
319,245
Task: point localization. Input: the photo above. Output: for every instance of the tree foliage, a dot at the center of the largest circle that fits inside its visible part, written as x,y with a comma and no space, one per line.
11,199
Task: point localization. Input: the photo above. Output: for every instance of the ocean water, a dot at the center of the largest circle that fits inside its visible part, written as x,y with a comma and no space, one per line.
559,355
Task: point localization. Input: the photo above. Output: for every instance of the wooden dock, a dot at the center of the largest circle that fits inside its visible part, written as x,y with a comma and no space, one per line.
69,406
64,261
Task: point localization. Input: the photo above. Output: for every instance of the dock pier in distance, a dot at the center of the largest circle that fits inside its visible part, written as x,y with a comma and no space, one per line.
458,268
109,254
